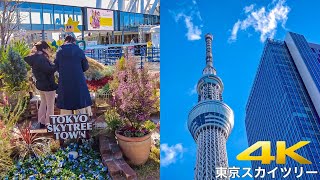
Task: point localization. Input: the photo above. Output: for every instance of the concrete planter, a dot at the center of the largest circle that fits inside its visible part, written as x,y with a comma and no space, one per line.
136,149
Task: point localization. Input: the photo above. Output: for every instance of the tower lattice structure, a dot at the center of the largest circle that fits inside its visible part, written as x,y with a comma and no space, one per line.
210,122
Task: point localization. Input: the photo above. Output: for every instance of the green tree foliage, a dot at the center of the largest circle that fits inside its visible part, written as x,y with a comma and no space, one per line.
20,47
13,71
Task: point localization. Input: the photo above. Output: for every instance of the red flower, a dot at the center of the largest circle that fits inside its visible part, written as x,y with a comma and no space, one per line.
94,85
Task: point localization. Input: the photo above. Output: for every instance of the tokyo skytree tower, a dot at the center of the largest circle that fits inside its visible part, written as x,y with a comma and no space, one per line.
210,122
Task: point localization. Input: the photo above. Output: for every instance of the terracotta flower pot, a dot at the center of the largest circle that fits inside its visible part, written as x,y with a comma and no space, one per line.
136,149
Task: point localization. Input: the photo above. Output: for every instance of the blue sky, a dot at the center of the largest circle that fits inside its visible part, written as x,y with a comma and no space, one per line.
239,28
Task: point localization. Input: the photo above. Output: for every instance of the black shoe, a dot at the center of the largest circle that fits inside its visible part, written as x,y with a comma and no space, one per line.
42,126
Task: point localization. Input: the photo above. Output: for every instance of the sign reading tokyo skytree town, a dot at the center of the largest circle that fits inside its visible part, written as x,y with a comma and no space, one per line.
69,126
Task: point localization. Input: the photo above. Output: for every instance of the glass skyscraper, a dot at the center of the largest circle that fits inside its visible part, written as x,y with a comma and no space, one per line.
284,103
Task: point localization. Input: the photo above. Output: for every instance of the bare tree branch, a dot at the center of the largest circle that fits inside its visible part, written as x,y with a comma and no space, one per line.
9,19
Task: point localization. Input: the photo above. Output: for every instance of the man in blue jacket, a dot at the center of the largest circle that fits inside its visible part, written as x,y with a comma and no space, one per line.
73,93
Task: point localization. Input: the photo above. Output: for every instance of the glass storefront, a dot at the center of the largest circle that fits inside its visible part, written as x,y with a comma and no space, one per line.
131,21
49,17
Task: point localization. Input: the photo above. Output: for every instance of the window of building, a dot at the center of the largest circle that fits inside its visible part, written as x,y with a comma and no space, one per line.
139,19
58,16
68,12
78,15
36,16
124,20
146,19
116,20
132,22
36,11
24,12
48,18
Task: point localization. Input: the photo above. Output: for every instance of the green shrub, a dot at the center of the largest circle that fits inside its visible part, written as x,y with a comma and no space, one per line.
28,144
113,120
6,162
149,125
13,71
104,90
10,115
20,47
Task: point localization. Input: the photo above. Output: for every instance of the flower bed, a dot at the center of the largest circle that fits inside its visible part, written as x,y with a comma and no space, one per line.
94,85
62,165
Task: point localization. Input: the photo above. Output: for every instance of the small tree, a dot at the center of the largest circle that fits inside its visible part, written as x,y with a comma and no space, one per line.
134,98
13,71
9,20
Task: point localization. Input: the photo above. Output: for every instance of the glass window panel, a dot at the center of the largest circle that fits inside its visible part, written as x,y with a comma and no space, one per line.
121,20
146,19
35,18
48,14
68,12
115,20
24,12
126,20
24,17
139,18
131,19
78,14
79,18
58,14
36,13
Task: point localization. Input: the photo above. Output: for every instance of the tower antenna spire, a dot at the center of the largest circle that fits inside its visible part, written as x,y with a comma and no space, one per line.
209,59
209,69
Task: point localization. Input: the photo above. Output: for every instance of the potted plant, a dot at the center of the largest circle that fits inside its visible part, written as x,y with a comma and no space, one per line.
135,102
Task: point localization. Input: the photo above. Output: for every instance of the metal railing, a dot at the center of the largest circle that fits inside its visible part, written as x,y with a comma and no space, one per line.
109,55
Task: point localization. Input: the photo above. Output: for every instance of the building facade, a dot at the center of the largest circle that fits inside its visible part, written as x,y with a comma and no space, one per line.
306,56
280,107
210,122
137,6
45,19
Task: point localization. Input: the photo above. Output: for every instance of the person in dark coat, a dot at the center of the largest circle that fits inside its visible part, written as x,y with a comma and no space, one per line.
43,71
73,93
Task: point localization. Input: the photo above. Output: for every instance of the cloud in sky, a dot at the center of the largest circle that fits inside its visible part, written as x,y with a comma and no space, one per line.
191,17
193,91
264,20
248,8
170,154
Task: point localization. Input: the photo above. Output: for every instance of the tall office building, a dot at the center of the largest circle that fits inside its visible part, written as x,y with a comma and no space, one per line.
210,121
284,102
